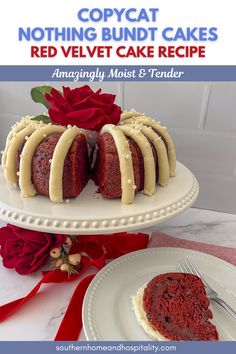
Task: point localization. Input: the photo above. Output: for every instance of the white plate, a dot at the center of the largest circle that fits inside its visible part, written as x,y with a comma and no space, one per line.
90,213
107,308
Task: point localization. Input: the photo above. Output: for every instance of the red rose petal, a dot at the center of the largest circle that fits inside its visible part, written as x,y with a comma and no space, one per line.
26,250
56,99
5,234
78,94
23,265
9,262
83,107
93,101
59,239
85,114
57,116
108,98
39,263
114,117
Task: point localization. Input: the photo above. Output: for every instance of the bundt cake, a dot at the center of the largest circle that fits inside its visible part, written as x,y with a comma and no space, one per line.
47,159
174,306
133,156
54,160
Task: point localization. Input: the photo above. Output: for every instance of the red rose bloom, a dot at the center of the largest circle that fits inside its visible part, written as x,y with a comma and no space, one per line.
83,107
26,250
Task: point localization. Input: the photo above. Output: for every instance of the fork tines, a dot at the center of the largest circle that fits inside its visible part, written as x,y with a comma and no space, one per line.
187,267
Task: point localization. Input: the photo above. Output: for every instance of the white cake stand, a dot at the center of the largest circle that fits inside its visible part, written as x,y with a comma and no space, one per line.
92,214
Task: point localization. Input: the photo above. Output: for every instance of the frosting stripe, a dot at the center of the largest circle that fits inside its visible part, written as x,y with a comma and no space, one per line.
15,144
57,164
130,114
163,163
25,183
163,132
148,159
16,128
126,164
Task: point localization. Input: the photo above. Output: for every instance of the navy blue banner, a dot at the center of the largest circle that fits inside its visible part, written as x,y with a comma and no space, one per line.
117,73
118,347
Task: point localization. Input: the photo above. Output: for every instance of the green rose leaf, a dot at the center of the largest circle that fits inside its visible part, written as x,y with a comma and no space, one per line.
37,94
43,118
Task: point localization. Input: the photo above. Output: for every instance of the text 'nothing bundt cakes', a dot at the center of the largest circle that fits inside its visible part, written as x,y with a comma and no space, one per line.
57,160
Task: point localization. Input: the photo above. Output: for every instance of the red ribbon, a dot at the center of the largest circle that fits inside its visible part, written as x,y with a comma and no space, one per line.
96,250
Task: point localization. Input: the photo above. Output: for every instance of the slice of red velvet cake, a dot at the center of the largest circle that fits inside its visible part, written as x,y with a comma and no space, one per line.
107,168
135,155
47,159
174,306
75,171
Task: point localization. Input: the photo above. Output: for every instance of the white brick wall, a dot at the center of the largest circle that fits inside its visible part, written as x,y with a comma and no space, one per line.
201,118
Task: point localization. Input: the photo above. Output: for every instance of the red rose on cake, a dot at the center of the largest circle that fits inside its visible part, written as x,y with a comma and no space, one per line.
83,107
26,250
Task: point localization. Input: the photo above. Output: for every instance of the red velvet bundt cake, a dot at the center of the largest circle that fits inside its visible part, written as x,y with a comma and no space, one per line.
47,159
174,306
133,156
53,160
76,165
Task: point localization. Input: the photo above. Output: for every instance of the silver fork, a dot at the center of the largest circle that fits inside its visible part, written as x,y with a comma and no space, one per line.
188,267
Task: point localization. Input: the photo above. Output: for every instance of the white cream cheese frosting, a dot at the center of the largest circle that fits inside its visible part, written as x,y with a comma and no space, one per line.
25,173
137,302
148,158
126,165
146,133
57,164
31,133
133,117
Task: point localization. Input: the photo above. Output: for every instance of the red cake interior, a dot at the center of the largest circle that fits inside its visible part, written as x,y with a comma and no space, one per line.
76,166
177,306
106,173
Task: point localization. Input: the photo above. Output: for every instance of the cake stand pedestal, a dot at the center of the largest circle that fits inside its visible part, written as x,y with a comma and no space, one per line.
91,214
